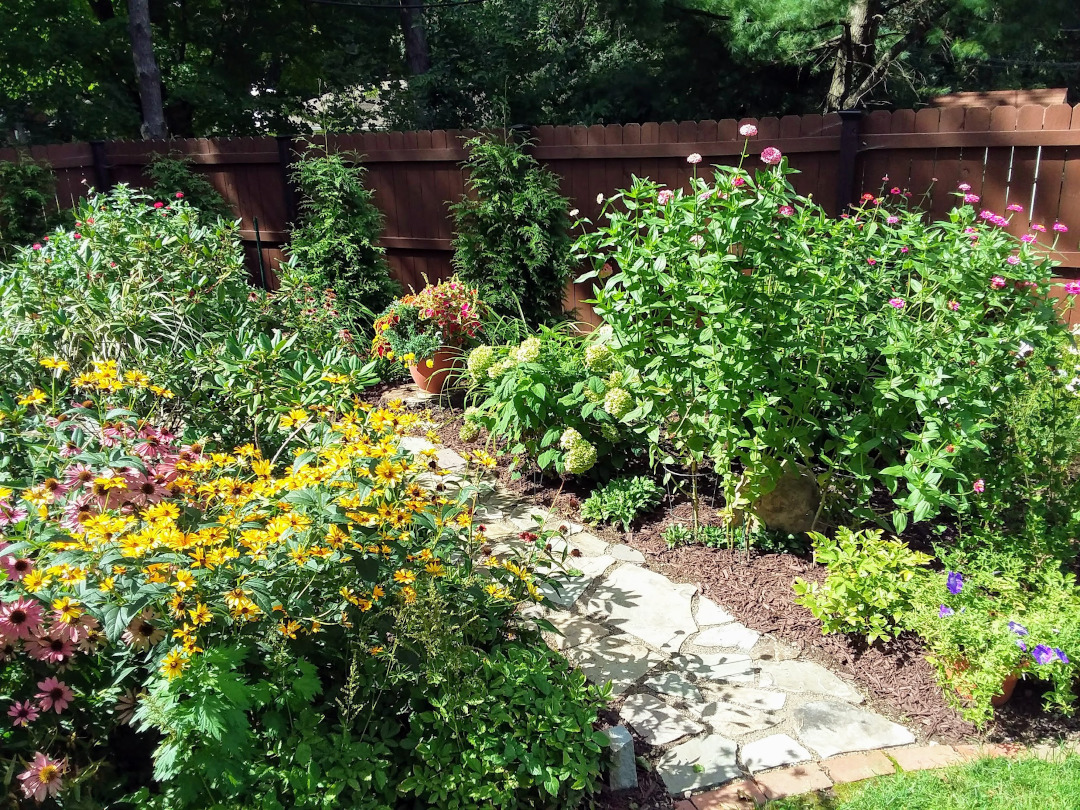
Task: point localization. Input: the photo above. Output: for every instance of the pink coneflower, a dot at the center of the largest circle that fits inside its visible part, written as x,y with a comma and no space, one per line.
151,444
53,694
20,619
23,714
42,778
1061,228
953,305
77,510
1028,237
964,187
1072,288
144,488
141,632
979,485
10,515
16,567
997,282
897,303
53,648
771,155
971,198
665,196
892,220
786,211
9,647
1015,207
693,159
125,707
1013,260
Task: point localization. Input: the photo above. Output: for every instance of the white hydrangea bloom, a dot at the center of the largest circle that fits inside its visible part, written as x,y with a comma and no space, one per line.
528,351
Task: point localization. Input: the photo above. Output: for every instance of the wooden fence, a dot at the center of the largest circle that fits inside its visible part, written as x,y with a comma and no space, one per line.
1028,155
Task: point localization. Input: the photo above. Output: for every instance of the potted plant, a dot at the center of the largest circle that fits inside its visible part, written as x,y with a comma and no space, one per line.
427,330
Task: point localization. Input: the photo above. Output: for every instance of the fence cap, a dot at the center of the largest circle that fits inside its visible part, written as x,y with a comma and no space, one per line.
1004,98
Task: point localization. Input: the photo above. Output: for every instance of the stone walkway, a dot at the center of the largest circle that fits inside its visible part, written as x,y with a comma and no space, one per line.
720,700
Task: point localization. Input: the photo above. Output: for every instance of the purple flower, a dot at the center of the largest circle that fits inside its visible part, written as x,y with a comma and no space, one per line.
1061,655
1021,645
1018,628
944,611
1042,654
955,583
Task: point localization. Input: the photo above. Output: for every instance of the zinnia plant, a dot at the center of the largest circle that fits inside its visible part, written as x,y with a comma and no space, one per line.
441,316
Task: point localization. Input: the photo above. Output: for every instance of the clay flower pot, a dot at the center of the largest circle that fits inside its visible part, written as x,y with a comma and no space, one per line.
998,700
433,379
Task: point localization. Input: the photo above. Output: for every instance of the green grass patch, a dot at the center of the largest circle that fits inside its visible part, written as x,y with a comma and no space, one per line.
987,784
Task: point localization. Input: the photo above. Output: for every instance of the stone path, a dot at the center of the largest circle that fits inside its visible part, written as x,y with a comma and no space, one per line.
720,700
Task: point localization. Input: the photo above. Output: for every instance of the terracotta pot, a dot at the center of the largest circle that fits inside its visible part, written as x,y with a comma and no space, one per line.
433,380
1002,697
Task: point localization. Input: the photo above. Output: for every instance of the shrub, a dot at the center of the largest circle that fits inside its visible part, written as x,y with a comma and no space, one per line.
544,398
871,584
334,245
441,316
172,178
27,204
877,347
512,231
234,609
622,500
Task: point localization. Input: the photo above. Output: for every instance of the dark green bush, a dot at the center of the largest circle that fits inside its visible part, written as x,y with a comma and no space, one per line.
27,204
170,176
512,238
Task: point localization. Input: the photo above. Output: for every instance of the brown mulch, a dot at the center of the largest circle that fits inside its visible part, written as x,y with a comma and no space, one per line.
757,591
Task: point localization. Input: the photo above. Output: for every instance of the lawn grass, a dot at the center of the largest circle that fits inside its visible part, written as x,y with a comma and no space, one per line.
986,784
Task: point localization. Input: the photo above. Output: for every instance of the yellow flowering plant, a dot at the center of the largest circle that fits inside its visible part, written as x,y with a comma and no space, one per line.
170,585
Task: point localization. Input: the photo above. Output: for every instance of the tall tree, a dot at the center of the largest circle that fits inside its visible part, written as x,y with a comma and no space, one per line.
146,70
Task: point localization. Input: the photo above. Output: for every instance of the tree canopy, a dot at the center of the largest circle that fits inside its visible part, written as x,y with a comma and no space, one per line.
234,67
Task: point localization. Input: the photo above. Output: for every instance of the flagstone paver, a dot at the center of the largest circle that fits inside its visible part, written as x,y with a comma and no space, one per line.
689,678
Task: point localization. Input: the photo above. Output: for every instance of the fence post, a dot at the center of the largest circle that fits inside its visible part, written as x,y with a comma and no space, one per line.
102,172
849,151
285,146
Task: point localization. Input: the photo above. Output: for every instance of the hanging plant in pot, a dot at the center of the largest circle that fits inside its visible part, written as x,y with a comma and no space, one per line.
426,331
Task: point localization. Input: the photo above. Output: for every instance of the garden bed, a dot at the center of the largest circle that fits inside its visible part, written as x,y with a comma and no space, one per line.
895,675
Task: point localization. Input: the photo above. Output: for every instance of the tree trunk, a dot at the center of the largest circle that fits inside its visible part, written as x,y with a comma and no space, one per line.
146,70
417,54
855,55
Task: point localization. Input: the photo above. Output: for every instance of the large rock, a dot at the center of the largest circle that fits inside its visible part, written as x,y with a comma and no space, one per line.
698,763
792,504
622,775
619,659
645,604
773,752
655,721
831,727
806,676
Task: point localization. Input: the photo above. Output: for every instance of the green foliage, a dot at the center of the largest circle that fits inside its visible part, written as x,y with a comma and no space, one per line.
512,231
676,534
545,400
334,245
513,732
878,348
27,204
871,585
622,500
173,176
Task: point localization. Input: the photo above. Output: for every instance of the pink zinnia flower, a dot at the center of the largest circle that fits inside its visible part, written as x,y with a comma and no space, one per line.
897,303
971,198
997,282
43,778
1028,237
1013,260
1060,228
964,187
1000,221
20,619
179,195
892,220
23,714
894,190
16,567
771,155
53,648
159,205
786,211
748,130
76,235
1039,228
871,262
953,305
738,181
979,485
54,694
693,158
904,249
665,196
1072,288
1014,207
986,214
36,246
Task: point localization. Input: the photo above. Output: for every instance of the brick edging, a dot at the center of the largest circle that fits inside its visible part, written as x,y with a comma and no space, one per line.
809,777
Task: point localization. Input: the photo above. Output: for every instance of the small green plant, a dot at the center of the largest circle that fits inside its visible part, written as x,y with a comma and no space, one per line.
512,231
871,584
172,178
621,500
676,534
27,204
334,245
